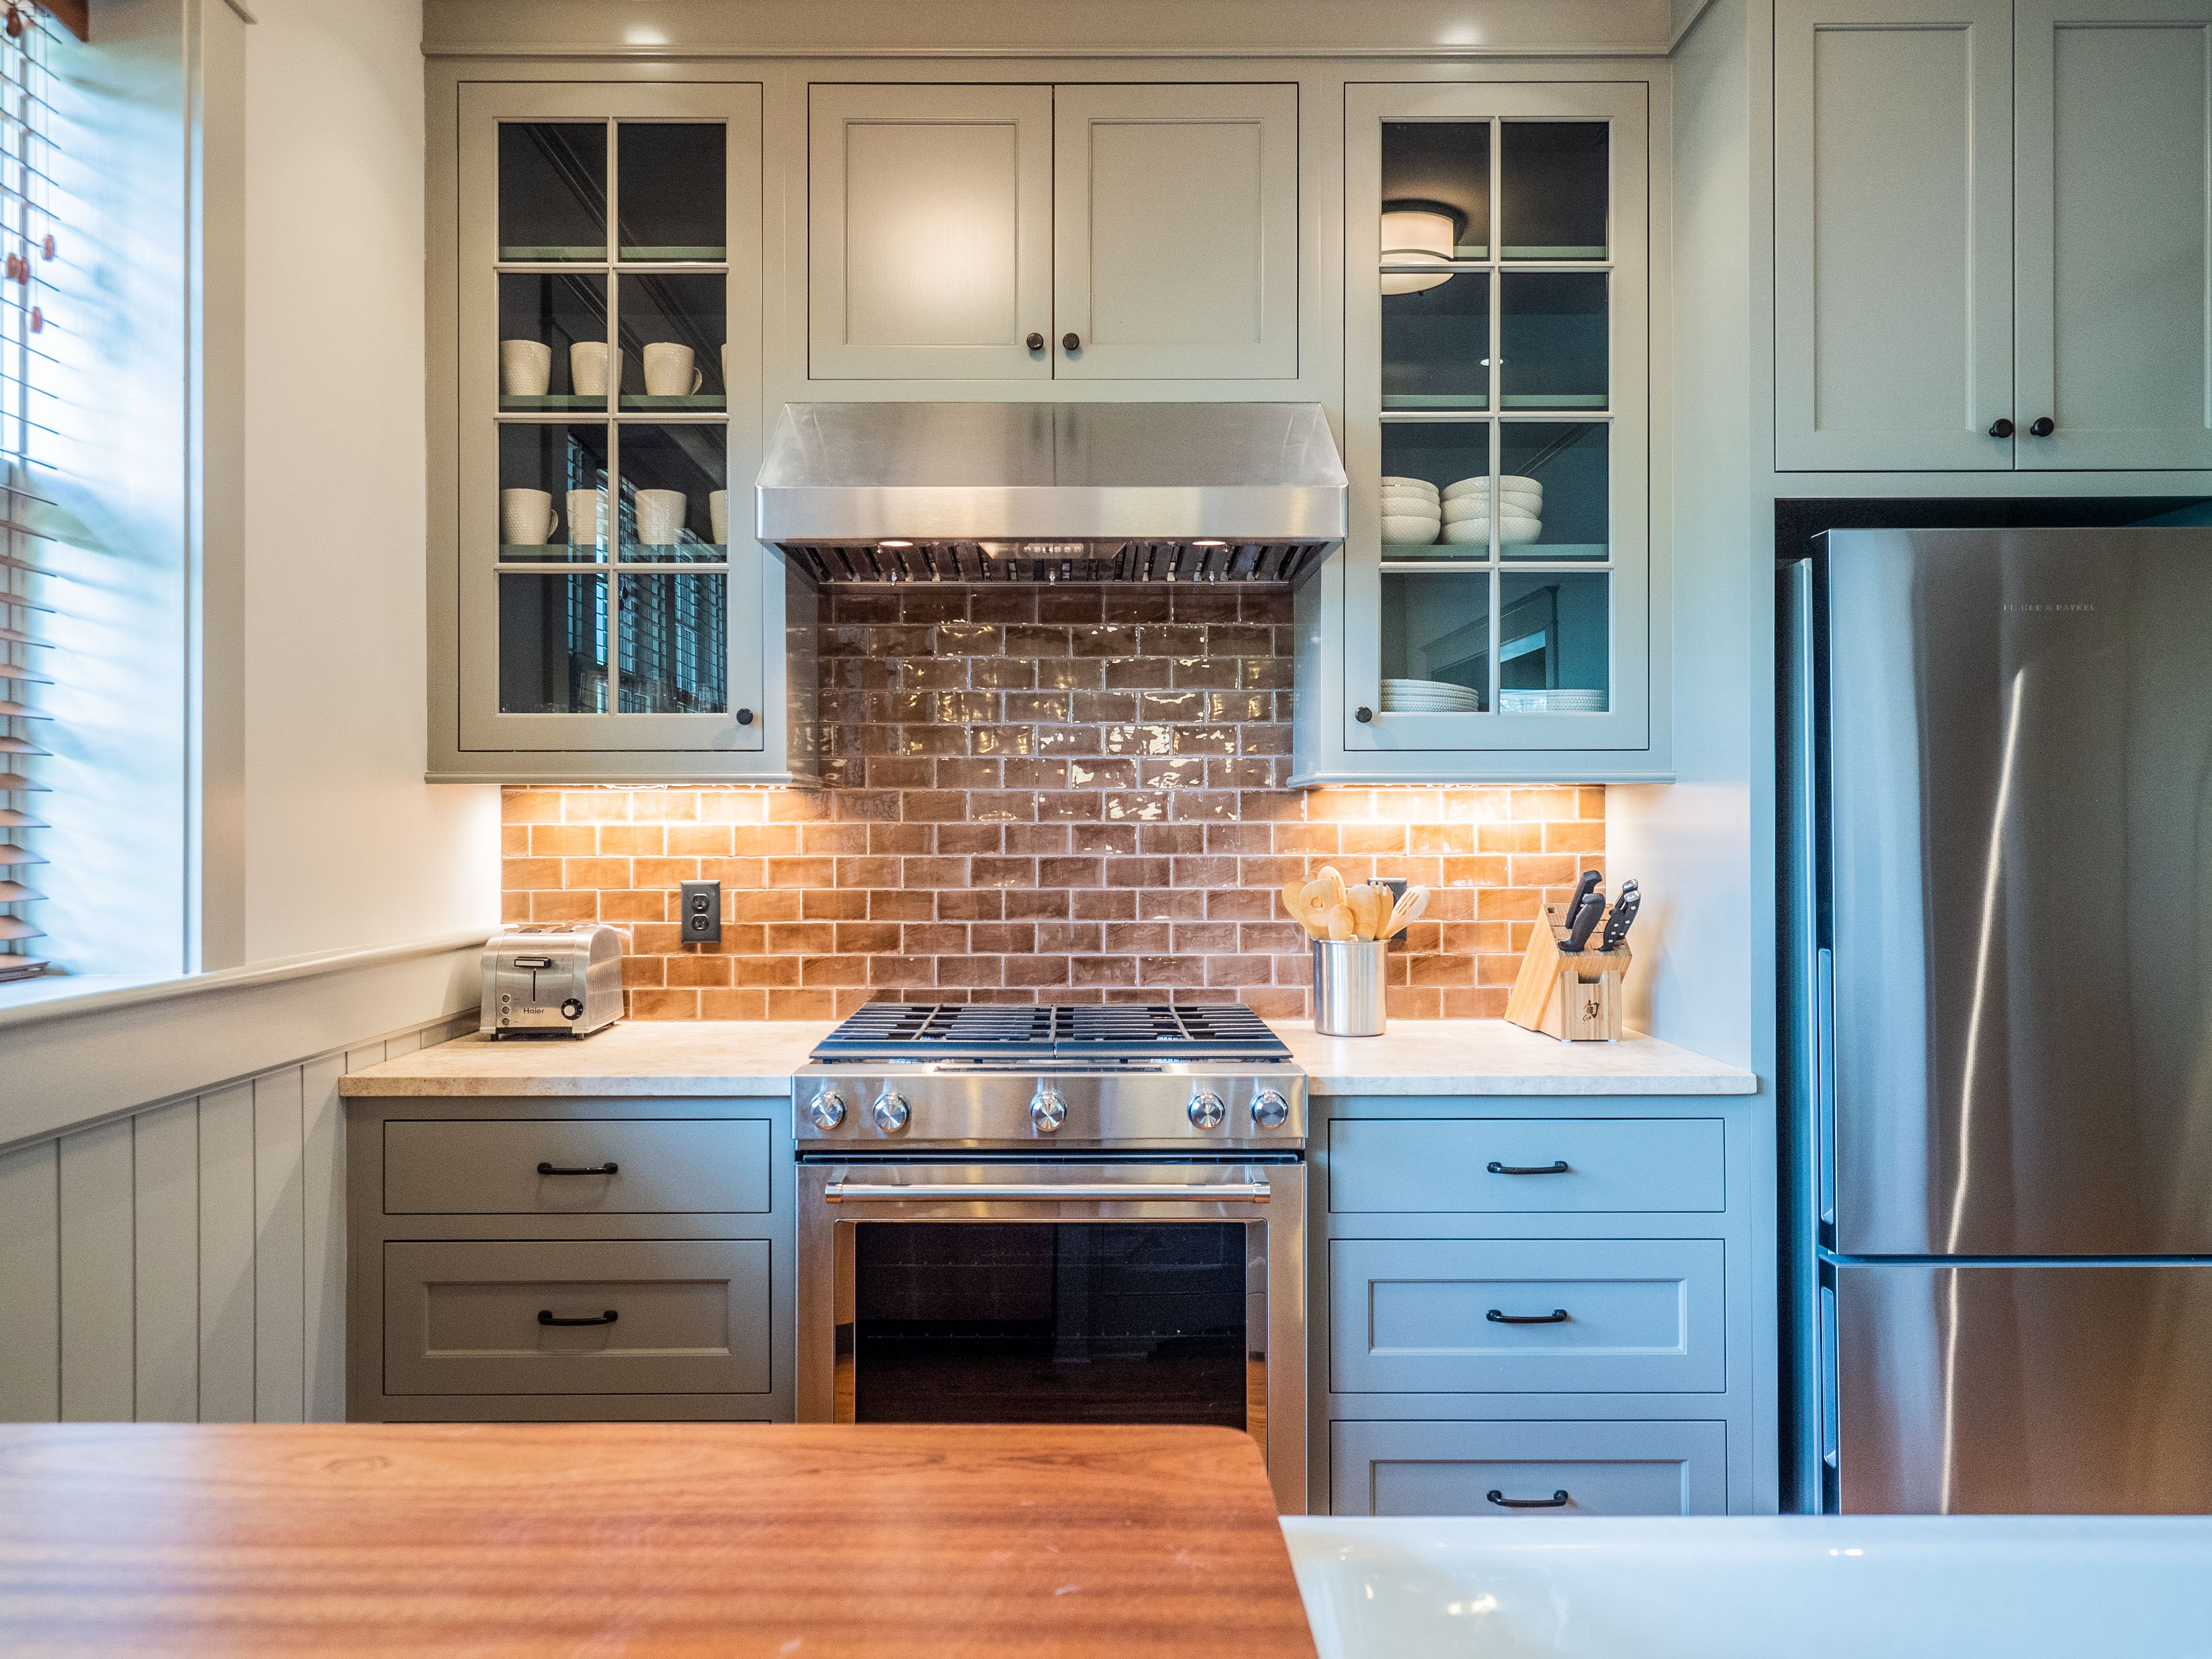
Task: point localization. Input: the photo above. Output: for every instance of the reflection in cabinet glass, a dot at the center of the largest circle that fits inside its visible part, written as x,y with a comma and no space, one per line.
1556,205
649,328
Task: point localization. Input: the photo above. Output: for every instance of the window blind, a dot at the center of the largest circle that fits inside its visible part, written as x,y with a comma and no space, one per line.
33,231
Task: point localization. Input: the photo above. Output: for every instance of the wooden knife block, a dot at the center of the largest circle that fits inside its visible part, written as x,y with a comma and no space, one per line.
1575,997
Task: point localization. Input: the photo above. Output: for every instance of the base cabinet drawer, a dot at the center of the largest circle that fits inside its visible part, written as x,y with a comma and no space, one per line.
1528,1471
1524,1166
576,1166
1555,1315
688,1317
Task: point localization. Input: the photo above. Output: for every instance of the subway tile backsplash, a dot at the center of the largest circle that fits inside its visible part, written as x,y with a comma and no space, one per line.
1063,794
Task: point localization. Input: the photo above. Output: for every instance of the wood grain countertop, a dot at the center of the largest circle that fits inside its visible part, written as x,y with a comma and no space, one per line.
642,1540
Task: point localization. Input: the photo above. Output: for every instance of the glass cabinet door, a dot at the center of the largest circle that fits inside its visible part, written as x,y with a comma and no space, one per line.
610,595
1496,577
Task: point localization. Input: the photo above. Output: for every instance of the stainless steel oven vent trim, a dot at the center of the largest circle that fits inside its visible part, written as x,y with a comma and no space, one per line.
840,1191
1042,492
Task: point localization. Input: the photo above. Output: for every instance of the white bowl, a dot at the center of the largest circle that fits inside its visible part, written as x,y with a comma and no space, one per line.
1405,500
1563,701
1508,483
1421,484
1403,530
1513,529
1478,507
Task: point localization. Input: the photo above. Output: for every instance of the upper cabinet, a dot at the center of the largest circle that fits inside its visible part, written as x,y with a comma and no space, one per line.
600,608
1025,233
1992,234
1490,614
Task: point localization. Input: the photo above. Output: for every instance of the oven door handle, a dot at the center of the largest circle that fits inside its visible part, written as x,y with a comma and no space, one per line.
838,1192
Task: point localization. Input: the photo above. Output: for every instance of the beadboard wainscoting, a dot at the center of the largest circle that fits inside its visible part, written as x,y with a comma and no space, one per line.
187,1263
1061,793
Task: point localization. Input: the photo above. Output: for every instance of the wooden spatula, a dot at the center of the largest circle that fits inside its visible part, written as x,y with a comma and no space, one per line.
1407,909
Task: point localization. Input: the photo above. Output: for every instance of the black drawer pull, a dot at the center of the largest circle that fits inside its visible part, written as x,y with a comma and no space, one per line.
608,1168
1559,1167
1558,1500
1557,1316
546,1316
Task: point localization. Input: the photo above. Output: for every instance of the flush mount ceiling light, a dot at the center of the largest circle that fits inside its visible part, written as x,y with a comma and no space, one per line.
1417,233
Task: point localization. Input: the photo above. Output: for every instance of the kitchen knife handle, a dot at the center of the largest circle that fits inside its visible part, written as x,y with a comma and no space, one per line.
1585,922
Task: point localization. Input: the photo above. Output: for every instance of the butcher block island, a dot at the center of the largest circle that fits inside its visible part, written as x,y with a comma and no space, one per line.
729,1540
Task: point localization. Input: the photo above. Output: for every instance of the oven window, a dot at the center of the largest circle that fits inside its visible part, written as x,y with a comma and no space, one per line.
1052,1322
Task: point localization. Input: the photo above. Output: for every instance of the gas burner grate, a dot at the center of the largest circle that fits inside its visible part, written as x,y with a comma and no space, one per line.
1213,1030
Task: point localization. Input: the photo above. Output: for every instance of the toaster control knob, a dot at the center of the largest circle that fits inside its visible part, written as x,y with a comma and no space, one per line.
1206,1111
890,1112
572,1009
1270,1110
828,1111
1048,1111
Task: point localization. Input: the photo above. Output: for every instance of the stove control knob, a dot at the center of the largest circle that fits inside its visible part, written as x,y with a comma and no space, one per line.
1270,1110
1206,1111
890,1112
1048,1111
828,1111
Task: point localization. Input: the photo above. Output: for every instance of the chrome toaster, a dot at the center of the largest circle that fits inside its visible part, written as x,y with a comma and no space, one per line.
554,976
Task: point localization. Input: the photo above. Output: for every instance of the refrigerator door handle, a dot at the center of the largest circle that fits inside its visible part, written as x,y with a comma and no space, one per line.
1824,1094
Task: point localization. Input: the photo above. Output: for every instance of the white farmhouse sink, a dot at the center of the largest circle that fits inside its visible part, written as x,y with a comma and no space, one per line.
1889,1587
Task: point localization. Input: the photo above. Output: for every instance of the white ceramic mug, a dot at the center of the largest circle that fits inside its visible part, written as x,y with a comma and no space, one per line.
588,518
588,365
718,516
526,367
525,517
671,370
660,517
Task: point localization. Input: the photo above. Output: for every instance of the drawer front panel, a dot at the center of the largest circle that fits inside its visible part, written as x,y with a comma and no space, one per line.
693,1317
1415,1316
1399,1165
488,1166
1604,1468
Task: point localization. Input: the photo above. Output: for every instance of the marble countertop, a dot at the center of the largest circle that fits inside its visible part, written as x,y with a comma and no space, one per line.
645,1058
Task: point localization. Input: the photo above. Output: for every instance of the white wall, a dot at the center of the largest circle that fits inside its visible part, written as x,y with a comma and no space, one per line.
345,844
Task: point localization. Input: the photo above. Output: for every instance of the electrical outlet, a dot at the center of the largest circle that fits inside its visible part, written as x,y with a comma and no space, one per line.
700,911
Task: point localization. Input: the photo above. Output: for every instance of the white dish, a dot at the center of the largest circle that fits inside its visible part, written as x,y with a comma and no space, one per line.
1509,482
1563,701
1422,484
1478,507
1438,705
1406,502
1405,530
1513,529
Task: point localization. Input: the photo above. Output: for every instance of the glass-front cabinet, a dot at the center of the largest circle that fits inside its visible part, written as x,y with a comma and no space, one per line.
1492,605
610,608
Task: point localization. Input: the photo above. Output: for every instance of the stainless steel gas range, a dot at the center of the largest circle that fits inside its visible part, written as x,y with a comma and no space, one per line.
1040,1214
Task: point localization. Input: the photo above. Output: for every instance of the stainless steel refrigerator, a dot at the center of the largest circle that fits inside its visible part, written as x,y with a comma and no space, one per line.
1996,789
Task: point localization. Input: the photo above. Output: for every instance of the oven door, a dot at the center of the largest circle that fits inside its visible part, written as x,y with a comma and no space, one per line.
974,1291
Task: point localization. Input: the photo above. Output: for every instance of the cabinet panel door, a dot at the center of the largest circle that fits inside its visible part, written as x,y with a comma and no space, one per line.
2111,336
929,233
605,1166
1452,1468
1510,1165
1892,227
1176,223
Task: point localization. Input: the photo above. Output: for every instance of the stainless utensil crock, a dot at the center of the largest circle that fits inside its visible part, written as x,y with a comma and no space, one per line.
1348,986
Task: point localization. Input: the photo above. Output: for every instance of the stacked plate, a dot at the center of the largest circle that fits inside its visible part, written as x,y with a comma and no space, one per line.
1466,508
1429,697
1561,700
1413,513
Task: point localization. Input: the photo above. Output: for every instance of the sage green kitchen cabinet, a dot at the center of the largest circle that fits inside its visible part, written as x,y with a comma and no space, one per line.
1496,346
1992,239
600,609
1041,233
558,1260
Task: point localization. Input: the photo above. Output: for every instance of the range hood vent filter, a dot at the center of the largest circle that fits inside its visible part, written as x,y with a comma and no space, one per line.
884,492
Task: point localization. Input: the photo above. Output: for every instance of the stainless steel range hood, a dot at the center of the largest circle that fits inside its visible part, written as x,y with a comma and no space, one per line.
1040,492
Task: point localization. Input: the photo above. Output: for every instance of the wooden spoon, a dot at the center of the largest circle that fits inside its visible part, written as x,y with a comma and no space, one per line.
1371,904
1292,902
1337,922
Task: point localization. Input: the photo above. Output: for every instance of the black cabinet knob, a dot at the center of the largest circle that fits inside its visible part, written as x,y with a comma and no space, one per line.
2043,427
2001,428
1036,342
1362,715
1071,341
745,717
